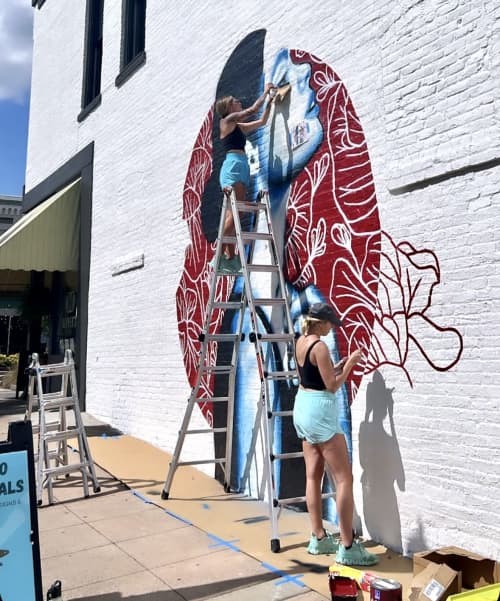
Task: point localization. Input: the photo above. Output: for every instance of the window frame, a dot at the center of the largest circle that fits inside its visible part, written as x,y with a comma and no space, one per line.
92,73
133,39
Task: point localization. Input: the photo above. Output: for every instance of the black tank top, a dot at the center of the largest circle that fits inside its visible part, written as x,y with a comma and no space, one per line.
234,141
309,373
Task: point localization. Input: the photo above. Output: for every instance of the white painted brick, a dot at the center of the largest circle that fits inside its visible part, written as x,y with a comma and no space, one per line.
424,78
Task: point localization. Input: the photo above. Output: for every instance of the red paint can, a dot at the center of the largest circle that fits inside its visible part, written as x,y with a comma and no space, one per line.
342,588
385,589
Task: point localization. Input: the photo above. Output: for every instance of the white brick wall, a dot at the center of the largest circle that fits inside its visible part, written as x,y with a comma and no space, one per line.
423,77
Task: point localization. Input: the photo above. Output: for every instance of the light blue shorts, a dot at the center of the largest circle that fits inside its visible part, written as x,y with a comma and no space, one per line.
315,415
234,169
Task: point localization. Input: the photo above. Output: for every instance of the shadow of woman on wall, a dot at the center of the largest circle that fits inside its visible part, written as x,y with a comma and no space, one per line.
382,466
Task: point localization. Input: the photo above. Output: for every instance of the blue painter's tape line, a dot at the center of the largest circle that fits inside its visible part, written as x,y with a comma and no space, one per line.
178,517
141,497
284,577
223,543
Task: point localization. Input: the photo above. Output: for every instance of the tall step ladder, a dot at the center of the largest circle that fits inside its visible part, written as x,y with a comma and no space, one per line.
260,232
52,457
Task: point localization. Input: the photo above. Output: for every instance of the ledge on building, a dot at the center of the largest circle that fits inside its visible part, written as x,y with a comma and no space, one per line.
91,106
129,69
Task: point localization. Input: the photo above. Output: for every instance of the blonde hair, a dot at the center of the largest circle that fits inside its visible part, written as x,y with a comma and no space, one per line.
309,324
222,106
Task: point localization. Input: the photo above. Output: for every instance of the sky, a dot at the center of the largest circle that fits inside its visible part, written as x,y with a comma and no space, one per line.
16,42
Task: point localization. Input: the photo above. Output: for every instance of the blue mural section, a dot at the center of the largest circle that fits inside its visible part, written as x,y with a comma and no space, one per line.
277,154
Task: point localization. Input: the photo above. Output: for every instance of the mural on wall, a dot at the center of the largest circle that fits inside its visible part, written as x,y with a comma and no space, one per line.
313,159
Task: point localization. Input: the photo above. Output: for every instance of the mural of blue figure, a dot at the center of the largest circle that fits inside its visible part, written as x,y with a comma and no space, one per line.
277,154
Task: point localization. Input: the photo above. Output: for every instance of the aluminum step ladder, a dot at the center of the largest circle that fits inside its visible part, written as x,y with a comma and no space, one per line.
51,456
261,233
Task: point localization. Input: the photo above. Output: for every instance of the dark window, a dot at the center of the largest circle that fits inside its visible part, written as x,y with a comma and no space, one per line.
8,220
93,54
134,30
133,54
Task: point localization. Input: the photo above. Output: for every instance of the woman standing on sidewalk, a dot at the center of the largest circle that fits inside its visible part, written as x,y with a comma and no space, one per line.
315,418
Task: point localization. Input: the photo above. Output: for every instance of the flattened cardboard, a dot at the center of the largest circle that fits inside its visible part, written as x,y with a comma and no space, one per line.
477,571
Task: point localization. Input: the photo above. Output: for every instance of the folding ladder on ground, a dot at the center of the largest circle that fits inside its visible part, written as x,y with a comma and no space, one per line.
269,373
53,430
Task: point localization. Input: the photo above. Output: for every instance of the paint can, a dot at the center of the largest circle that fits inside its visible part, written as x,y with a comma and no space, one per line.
385,589
342,588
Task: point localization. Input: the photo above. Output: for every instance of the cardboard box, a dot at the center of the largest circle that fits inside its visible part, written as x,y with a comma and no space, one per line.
435,582
476,571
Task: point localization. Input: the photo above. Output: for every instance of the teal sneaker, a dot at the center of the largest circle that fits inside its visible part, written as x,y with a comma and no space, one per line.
356,555
235,263
323,546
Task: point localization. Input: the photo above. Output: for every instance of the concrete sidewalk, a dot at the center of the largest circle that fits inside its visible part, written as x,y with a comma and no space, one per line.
120,545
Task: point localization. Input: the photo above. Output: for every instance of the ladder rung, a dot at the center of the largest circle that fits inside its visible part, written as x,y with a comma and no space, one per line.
326,495
206,431
202,461
250,207
288,413
215,399
66,469
67,401
268,301
62,435
228,305
46,372
287,455
280,375
276,337
248,236
217,369
50,396
49,427
221,337
262,268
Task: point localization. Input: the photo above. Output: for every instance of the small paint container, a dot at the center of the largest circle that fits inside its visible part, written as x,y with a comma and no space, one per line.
342,588
385,589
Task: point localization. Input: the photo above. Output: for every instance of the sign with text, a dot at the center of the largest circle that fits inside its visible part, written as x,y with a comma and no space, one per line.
19,552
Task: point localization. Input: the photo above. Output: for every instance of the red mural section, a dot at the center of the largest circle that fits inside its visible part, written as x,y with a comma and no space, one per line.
333,233
382,290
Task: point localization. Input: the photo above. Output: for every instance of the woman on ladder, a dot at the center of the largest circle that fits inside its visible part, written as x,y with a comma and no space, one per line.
235,171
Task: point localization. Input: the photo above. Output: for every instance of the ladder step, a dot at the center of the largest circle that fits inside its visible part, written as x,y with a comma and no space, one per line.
49,427
288,413
262,268
214,399
217,369
228,305
67,401
268,301
326,495
206,431
280,375
276,337
287,455
249,236
62,435
56,370
221,337
250,207
67,469
221,461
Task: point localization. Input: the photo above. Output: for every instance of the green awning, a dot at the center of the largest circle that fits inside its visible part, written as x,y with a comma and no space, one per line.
46,238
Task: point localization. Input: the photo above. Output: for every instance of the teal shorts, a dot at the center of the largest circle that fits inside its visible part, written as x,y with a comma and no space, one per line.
315,415
234,169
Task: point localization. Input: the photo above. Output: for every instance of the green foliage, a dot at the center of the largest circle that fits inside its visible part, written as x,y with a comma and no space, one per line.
9,361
